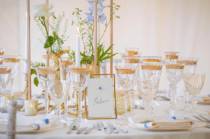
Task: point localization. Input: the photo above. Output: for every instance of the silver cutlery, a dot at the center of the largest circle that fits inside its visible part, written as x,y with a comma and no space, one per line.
88,130
202,118
162,98
81,130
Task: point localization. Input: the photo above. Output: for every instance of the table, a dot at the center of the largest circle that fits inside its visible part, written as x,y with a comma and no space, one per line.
134,133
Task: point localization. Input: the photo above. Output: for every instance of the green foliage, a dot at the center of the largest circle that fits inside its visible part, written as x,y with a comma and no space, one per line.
34,73
53,39
71,55
102,53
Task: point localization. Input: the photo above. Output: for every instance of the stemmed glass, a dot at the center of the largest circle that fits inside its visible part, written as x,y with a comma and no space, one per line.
190,65
194,84
57,94
43,74
133,62
64,66
174,76
1,52
150,73
78,79
5,82
125,83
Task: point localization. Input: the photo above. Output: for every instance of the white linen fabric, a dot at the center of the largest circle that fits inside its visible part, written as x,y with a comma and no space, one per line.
133,132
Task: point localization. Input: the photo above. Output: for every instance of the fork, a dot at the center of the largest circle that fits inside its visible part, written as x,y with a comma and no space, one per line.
203,119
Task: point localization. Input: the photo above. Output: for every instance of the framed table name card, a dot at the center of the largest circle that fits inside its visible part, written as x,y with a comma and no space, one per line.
101,97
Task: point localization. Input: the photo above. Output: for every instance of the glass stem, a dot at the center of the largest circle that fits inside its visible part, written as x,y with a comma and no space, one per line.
173,95
149,109
46,102
80,104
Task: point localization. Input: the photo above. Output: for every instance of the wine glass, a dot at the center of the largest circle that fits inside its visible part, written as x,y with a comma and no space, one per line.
78,79
133,62
150,74
43,74
194,84
1,52
125,83
190,65
64,66
56,93
174,76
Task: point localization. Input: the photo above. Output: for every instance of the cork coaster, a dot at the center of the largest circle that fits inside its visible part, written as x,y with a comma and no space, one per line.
5,70
46,70
125,71
187,62
80,70
151,67
174,66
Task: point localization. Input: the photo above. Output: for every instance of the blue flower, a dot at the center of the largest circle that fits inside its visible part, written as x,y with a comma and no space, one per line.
101,15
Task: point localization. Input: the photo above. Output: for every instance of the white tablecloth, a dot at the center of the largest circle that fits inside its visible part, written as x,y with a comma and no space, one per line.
134,133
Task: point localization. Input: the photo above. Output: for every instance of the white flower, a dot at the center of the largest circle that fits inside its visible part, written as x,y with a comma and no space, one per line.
44,10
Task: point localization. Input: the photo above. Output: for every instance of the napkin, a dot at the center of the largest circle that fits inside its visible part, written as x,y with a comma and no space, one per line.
169,125
205,101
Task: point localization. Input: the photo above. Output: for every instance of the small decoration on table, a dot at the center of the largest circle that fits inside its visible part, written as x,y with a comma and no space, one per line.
101,97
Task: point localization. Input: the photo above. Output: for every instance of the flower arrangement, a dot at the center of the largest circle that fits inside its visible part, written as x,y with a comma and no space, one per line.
49,25
84,23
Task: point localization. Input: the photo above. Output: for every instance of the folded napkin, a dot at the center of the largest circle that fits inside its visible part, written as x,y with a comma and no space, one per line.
170,125
31,124
205,101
